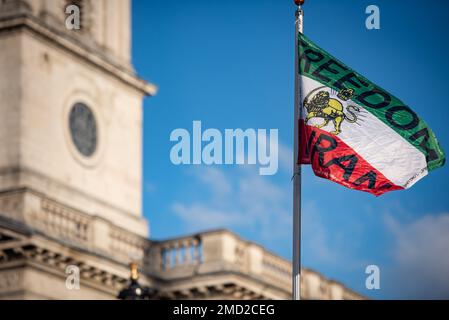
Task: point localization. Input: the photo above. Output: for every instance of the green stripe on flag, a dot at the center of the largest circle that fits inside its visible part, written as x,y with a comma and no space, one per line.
319,65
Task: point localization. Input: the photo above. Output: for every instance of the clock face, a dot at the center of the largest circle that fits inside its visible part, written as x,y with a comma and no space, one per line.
83,129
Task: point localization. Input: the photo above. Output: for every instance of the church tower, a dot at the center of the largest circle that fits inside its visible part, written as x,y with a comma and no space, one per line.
71,141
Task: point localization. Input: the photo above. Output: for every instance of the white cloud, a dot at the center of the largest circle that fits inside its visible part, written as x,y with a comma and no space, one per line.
325,244
149,188
314,231
285,157
241,198
420,257
215,182
200,217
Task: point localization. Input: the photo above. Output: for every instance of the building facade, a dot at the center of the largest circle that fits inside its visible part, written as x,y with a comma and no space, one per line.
70,172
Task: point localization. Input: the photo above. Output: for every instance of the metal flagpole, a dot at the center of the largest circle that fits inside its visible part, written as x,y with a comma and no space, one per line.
296,275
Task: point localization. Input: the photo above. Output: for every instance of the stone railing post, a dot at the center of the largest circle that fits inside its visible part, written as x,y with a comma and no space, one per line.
255,259
312,283
218,249
153,258
336,291
99,234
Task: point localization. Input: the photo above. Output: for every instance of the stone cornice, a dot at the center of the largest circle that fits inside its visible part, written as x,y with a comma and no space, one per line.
81,50
207,273
52,261
23,170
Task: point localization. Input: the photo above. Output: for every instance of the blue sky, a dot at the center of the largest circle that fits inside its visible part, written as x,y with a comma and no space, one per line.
230,65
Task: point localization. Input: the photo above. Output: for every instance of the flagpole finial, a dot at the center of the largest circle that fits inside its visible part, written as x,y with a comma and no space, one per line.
299,2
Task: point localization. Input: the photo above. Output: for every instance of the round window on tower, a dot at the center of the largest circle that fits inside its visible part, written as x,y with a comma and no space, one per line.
83,129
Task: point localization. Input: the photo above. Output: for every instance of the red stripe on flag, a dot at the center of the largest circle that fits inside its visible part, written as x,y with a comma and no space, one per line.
333,159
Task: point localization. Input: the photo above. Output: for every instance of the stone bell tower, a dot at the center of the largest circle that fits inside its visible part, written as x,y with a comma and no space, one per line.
70,135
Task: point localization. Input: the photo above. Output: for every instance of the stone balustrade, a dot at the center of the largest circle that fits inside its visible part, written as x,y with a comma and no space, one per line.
202,254
74,227
180,252
215,251
221,250
277,269
63,223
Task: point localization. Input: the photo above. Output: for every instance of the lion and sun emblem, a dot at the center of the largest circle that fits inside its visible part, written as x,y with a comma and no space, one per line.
329,105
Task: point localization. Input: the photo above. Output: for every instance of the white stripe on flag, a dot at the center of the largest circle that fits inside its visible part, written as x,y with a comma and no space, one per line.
378,144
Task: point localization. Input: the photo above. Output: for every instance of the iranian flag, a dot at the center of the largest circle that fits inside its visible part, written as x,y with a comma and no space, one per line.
354,132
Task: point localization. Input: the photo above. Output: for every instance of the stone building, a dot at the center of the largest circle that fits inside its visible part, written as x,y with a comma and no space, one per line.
70,172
